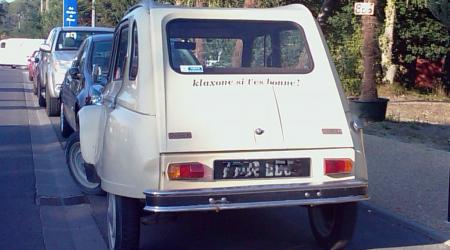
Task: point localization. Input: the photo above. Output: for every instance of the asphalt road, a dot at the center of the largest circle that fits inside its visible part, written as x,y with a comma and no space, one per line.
280,228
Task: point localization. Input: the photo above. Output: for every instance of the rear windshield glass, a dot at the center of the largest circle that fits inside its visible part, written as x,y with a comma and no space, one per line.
71,40
237,47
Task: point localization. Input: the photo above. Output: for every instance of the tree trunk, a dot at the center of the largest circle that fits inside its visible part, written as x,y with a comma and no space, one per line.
199,47
369,53
236,60
447,68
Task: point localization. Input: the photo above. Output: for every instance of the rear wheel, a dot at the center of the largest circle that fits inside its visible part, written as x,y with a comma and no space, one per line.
64,126
35,91
40,93
123,219
51,104
77,166
333,224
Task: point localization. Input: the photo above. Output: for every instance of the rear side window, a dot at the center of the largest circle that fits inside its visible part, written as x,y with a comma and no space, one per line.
237,47
134,62
121,54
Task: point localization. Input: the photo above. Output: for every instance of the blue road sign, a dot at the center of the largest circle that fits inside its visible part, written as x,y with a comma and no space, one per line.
70,15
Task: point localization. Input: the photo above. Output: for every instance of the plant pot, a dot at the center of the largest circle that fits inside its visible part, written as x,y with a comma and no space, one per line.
370,111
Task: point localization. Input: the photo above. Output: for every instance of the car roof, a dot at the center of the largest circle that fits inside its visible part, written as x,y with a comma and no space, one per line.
86,28
102,37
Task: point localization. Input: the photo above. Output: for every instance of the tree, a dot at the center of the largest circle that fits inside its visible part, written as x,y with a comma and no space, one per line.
52,16
110,12
369,53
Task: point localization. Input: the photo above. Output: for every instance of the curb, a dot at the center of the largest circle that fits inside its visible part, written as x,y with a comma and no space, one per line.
429,232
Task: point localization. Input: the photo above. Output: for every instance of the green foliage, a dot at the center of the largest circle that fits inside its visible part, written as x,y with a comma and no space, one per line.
418,34
20,19
52,17
110,12
344,39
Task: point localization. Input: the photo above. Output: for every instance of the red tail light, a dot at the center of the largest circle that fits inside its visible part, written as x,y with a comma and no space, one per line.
338,166
183,171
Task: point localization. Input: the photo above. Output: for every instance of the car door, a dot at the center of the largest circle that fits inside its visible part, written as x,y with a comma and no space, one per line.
70,92
117,72
46,56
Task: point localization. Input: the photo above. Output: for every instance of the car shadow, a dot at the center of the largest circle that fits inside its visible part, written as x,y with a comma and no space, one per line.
273,228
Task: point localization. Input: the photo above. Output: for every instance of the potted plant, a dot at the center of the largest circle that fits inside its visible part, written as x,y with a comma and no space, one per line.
369,106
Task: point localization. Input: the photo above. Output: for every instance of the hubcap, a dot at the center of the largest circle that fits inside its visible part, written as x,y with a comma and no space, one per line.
111,218
77,165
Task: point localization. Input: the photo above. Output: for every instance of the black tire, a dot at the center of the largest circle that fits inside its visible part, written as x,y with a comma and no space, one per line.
64,126
76,166
123,222
333,224
51,104
39,89
35,91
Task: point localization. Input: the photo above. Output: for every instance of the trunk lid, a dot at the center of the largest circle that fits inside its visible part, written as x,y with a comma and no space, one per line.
212,113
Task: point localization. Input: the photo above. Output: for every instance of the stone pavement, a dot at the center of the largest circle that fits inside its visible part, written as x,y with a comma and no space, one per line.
411,181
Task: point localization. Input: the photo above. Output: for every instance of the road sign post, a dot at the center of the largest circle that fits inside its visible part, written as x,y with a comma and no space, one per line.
70,13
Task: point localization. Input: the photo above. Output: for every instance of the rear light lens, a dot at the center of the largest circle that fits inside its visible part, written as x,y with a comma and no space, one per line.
338,166
186,171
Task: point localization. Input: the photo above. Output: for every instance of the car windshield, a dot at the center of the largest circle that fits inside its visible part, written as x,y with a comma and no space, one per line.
101,54
229,46
71,40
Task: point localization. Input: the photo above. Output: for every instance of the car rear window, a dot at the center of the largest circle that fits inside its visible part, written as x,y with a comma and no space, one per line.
237,47
72,40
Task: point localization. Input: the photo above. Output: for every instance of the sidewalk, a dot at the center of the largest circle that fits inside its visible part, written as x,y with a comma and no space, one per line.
410,180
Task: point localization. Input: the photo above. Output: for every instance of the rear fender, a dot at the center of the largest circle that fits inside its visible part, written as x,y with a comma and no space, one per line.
91,127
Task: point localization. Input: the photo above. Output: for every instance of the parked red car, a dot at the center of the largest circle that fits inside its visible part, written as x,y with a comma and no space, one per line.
32,63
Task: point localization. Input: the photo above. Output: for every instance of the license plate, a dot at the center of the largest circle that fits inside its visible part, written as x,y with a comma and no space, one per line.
267,168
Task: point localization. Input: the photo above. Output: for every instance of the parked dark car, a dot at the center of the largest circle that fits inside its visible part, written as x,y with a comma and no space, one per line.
82,86
84,80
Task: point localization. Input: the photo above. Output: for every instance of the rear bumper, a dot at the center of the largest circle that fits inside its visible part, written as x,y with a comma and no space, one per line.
255,196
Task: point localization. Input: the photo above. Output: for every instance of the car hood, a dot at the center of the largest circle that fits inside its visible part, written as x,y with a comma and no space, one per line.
67,55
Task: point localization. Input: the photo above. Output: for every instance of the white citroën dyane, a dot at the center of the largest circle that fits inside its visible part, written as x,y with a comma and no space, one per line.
211,109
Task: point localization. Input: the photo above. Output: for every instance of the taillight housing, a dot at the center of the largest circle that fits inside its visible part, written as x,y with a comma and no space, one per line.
338,166
186,171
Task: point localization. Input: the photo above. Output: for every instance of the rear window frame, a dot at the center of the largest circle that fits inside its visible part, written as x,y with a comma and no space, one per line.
240,70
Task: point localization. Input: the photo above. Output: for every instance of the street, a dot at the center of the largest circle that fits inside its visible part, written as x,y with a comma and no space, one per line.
34,193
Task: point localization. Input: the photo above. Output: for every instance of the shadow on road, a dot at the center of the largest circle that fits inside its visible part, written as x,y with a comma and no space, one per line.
271,229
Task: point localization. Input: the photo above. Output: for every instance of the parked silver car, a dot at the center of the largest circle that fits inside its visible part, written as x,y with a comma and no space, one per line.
58,52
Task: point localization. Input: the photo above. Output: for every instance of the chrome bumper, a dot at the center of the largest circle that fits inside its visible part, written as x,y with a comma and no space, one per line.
255,196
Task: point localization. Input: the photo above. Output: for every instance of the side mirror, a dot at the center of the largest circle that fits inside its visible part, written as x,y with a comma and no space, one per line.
96,73
45,48
36,59
74,72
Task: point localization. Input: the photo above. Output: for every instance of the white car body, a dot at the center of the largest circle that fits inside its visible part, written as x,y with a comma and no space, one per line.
164,117
15,51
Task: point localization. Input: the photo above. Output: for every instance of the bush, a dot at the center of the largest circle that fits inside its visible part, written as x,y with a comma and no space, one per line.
344,38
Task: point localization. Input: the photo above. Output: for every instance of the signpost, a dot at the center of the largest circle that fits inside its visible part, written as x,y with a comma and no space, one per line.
70,13
364,9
